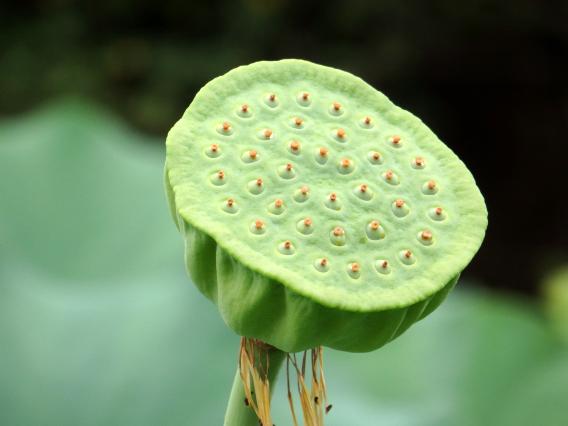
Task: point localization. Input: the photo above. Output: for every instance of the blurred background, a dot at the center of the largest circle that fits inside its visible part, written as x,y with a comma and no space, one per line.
98,322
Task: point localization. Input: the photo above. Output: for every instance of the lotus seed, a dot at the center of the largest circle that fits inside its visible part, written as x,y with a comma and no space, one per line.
294,147
437,214
407,257
395,141
321,155
213,151
340,135
256,186
354,270
322,264
250,156
244,111
225,128
363,192
425,237
286,171
271,100
257,227
366,122
335,109
305,226
375,157
303,99
418,163
266,134
337,236
218,178
277,207
302,194
382,266
430,187
297,123
400,208
333,202
286,248
374,230
390,177
230,206
345,166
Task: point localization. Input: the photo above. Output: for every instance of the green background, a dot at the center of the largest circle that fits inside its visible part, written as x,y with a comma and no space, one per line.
99,324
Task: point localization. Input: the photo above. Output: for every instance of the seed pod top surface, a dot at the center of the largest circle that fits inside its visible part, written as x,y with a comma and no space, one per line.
309,176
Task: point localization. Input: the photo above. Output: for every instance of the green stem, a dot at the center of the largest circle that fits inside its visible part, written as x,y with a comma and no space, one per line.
238,413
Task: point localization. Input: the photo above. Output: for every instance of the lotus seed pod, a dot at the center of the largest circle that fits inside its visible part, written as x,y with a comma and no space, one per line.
390,219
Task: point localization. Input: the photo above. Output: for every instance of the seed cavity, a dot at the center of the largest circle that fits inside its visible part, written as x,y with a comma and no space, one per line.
297,123
225,128
230,206
294,147
321,264
382,266
213,151
321,155
305,226
366,122
363,192
257,227
244,111
333,202
256,186
437,213
407,257
287,171
425,237
339,135
345,166
354,270
391,177
337,236
265,134
430,187
271,100
395,141
302,194
400,208
277,207
418,163
286,248
218,178
374,230
304,99
336,109
250,156
375,157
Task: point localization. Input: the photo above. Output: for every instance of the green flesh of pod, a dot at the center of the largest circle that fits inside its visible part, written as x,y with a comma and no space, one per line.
314,211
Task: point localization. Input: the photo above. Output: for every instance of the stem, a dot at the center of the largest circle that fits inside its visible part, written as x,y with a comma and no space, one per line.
238,413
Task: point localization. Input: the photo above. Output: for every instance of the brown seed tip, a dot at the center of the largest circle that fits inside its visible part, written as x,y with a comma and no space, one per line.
221,174
431,184
363,187
244,108
323,152
426,235
323,262
332,196
287,245
355,267
376,156
272,97
304,190
419,161
307,222
230,202
395,139
399,203
214,147
289,166
345,163
340,133
267,133
226,126
259,224
367,120
298,121
336,106
338,231
408,254
438,211
389,174
305,96
385,264
252,154
259,182
294,145
278,203
375,225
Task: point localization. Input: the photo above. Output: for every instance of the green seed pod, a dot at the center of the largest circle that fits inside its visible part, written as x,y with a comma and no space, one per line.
391,217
